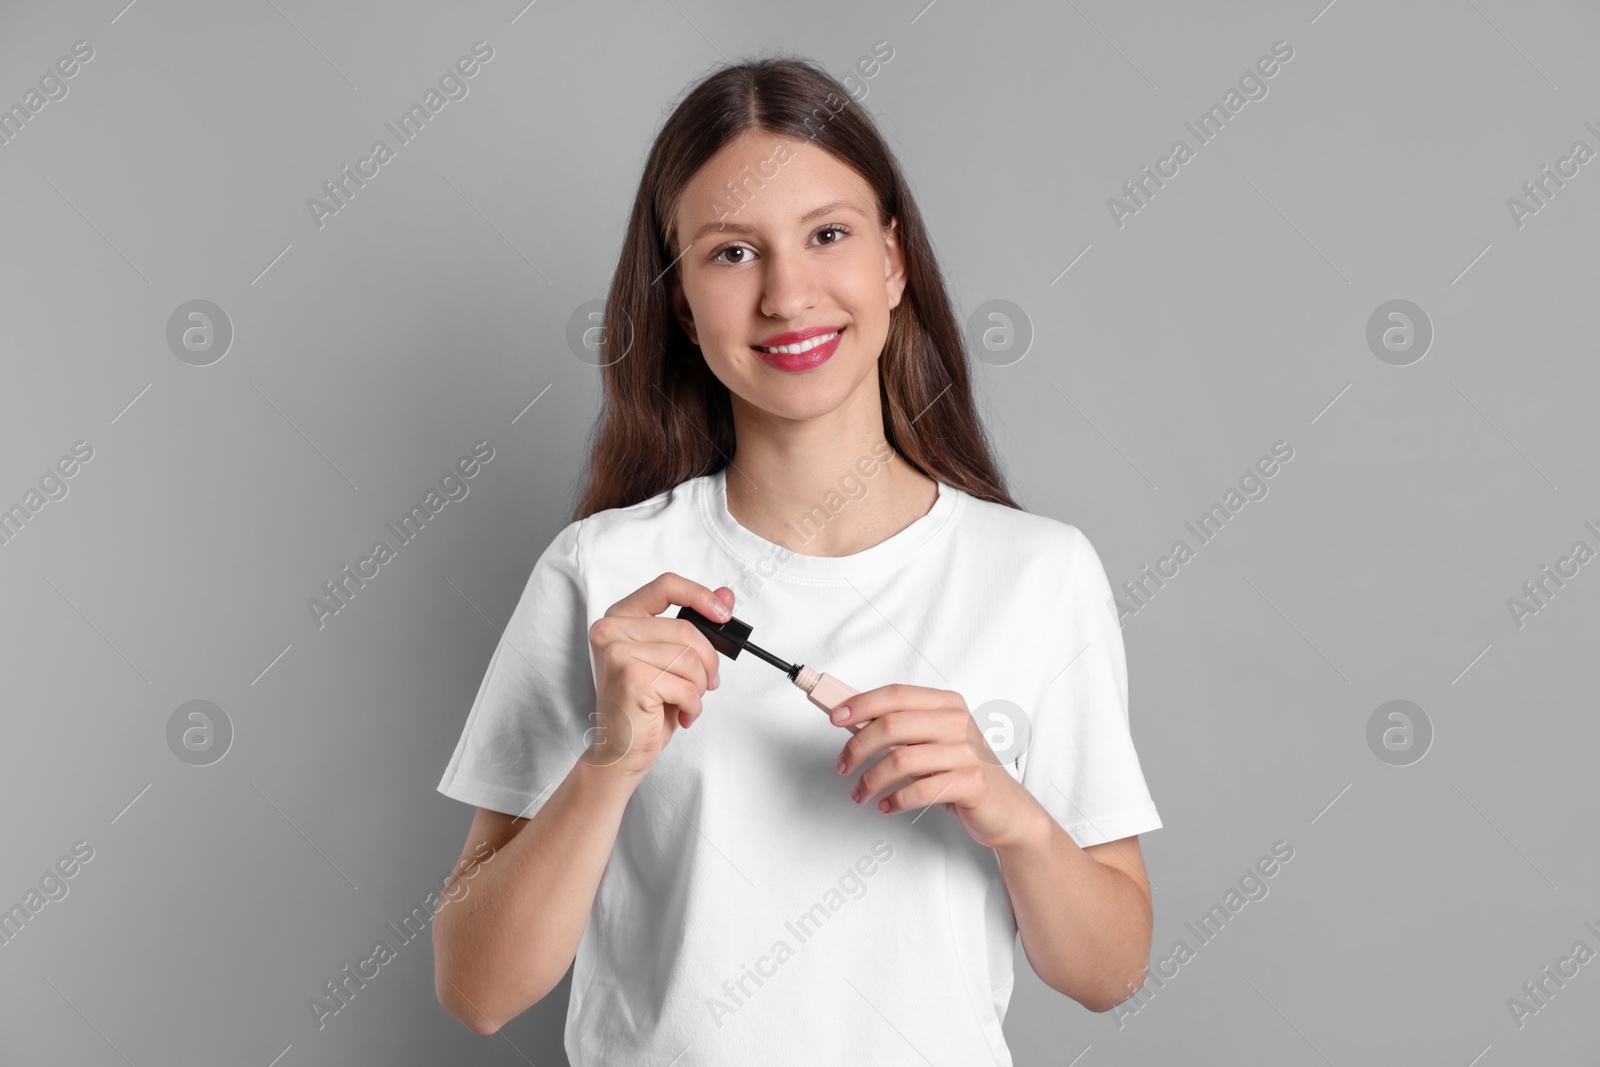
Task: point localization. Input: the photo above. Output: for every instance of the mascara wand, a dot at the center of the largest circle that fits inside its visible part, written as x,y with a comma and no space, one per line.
728,638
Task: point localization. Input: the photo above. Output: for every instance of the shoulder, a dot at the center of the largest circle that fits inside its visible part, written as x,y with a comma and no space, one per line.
631,529
1027,535
1045,566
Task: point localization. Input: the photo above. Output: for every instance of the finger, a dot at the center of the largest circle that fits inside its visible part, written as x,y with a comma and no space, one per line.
668,656
946,788
894,697
656,689
612,635
669,590
687,719
936,726
725,595
912,761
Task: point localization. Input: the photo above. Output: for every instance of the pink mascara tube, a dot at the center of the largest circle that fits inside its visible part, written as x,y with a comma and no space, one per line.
728,638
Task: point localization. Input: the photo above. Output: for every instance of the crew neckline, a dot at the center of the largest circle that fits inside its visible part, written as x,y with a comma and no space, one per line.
756,551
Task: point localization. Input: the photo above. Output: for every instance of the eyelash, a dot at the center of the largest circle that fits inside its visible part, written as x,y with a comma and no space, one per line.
831,226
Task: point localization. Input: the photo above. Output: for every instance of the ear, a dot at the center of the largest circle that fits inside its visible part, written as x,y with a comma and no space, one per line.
680,308
894,263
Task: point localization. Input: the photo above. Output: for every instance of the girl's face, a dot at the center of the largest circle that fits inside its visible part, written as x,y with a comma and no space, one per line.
779,237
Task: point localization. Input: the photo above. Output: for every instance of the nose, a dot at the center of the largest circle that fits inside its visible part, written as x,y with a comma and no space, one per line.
789,286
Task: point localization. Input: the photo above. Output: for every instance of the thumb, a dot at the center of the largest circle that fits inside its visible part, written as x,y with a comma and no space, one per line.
724,594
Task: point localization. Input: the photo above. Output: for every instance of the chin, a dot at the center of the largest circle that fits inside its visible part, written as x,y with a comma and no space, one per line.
796,408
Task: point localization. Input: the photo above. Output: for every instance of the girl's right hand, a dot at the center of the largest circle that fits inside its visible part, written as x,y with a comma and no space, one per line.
651,672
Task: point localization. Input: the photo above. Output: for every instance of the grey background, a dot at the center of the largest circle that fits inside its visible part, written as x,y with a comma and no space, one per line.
369,355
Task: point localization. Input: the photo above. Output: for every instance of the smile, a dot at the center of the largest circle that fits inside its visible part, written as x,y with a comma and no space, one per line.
801,356
804,346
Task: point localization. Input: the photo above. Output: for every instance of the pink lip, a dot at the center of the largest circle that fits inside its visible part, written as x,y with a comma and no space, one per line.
794,337
799,364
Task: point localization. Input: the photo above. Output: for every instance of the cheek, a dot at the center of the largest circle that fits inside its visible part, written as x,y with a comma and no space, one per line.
865,285
720,364
737,369
865,297
724,309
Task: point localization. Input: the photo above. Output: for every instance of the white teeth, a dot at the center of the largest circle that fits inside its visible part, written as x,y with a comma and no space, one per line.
804,346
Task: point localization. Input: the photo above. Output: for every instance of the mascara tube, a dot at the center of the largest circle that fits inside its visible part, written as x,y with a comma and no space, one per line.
824,690
733,636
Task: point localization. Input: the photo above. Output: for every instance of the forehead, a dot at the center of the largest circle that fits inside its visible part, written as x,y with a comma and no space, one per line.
761,180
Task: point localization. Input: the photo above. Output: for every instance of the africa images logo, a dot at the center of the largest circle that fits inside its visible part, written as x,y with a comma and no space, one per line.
451,488
452,86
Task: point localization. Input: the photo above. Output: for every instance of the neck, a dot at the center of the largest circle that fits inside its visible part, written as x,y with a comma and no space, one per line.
828,486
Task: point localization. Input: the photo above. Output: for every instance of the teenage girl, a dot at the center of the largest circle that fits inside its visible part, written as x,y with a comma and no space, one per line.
789,435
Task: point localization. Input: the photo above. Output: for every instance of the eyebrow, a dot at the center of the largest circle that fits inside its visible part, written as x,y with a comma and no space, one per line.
815,213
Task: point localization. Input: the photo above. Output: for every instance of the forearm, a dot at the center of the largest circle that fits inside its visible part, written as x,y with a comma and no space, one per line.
1085,927
505,944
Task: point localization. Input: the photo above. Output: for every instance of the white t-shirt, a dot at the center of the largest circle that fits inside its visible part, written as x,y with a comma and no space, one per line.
750,912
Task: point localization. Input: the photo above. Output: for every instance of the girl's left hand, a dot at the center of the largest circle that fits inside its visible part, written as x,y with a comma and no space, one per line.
938,745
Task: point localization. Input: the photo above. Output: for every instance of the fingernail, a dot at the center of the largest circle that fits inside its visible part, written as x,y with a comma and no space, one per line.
839,766
720,610
841,713
716,679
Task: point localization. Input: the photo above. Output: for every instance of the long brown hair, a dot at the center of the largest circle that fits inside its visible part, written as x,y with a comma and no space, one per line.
665,417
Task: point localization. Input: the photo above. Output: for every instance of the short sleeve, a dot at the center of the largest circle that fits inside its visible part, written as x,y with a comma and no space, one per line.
526,726
1080,763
